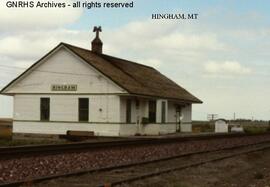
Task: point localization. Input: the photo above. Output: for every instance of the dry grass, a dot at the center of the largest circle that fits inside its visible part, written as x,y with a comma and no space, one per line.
5,132
249,126
256,129
9,142
202,126
5,121
5,128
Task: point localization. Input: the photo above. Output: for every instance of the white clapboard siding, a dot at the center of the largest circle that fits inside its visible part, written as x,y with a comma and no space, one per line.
186,113
159,110
171,112
99,129
102,108
63,67
62,128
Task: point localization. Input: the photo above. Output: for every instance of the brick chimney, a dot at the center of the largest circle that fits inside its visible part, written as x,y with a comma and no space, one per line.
97,43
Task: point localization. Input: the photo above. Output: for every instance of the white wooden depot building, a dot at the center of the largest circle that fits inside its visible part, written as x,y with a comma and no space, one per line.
72,88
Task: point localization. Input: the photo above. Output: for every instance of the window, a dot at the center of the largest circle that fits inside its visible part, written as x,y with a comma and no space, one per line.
152,111
83,109
128,111
163,112
44,109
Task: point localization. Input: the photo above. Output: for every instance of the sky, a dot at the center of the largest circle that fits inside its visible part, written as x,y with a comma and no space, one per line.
222,57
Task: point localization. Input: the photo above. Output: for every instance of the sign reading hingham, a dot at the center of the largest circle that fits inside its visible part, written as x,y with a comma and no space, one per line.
64,87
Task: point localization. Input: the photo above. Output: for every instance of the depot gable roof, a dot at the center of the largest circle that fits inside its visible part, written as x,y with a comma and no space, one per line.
135,78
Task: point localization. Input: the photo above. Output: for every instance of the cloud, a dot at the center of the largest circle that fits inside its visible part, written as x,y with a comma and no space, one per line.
12,19
151,62
227,67
136,40
177,50
190,41
166,36
34,44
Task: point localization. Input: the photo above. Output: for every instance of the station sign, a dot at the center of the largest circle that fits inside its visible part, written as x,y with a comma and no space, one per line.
64,87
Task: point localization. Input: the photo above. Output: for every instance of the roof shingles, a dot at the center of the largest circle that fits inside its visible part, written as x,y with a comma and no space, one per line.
135,78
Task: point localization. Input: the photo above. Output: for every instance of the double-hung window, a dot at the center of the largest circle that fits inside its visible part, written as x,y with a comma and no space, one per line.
44,109
163,112
128,111
83,109
152,111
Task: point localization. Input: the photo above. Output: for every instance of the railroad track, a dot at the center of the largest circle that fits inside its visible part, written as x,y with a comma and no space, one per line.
138,177
18,151
150,174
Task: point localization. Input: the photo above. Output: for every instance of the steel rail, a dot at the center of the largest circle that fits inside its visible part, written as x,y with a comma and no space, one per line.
152,174
86,146
80,172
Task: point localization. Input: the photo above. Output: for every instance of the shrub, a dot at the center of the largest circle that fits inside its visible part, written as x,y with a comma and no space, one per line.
254,130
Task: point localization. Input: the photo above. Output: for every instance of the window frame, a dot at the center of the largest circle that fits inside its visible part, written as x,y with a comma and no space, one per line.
45,116
163,111
128,111
152,115
80,110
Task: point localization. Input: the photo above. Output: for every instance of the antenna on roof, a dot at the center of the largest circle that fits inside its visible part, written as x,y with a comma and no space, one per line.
97,43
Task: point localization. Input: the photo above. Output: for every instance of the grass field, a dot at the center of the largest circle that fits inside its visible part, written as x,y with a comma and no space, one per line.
5,121
197,127
6,136
10,142
248,126
5,132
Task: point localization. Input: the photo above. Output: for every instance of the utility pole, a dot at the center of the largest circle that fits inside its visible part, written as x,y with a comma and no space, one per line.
212,117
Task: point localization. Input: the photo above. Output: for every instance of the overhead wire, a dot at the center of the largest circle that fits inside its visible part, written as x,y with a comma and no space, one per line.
47,71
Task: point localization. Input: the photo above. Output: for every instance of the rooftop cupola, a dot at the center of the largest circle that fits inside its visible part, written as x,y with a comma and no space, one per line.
97,43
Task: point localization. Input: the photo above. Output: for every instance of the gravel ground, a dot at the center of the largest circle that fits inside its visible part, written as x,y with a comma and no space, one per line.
28,167
108,177
250,170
